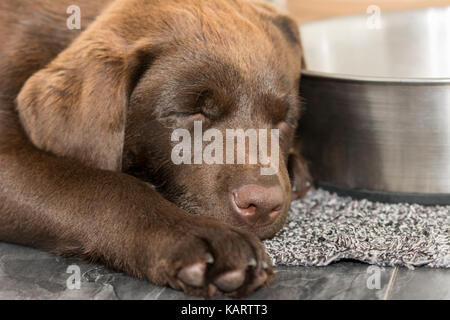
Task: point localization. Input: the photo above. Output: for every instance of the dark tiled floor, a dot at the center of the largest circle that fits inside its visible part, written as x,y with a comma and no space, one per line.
31,274
421,284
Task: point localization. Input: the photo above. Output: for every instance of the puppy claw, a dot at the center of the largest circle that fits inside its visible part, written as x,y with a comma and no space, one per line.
209,258
252,263
265,265
193,275
230,281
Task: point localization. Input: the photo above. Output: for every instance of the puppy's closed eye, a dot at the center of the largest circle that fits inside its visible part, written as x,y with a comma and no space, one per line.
197,106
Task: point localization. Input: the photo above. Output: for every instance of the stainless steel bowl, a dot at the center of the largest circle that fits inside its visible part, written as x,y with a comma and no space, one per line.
377,119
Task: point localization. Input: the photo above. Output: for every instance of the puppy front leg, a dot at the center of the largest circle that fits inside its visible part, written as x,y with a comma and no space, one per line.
65,208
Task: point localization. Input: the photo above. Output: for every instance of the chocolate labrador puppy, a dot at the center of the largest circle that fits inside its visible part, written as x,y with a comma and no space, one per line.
86,124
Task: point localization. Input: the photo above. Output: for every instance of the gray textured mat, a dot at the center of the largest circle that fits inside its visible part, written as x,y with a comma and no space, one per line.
324,228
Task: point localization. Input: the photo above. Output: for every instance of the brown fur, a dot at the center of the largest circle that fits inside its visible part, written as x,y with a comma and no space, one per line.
85,122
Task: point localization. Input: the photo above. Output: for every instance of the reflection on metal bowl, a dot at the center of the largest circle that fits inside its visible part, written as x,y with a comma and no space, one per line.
377,119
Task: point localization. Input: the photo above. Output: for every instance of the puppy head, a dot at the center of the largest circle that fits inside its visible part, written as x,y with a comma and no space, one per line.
115,97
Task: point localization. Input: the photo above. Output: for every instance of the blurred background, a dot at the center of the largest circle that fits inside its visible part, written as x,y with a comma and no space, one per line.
307,10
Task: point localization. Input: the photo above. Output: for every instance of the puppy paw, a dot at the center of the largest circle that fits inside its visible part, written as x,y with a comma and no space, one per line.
217,259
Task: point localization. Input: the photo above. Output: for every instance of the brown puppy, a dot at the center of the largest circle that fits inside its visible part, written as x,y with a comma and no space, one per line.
86,119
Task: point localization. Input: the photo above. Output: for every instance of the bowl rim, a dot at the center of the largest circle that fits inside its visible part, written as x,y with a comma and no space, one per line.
362,78
347,77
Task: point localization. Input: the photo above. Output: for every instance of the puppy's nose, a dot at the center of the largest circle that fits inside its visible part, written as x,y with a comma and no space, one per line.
258,205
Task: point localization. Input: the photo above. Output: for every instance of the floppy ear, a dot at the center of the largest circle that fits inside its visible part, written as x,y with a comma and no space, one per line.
76,107
288,26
